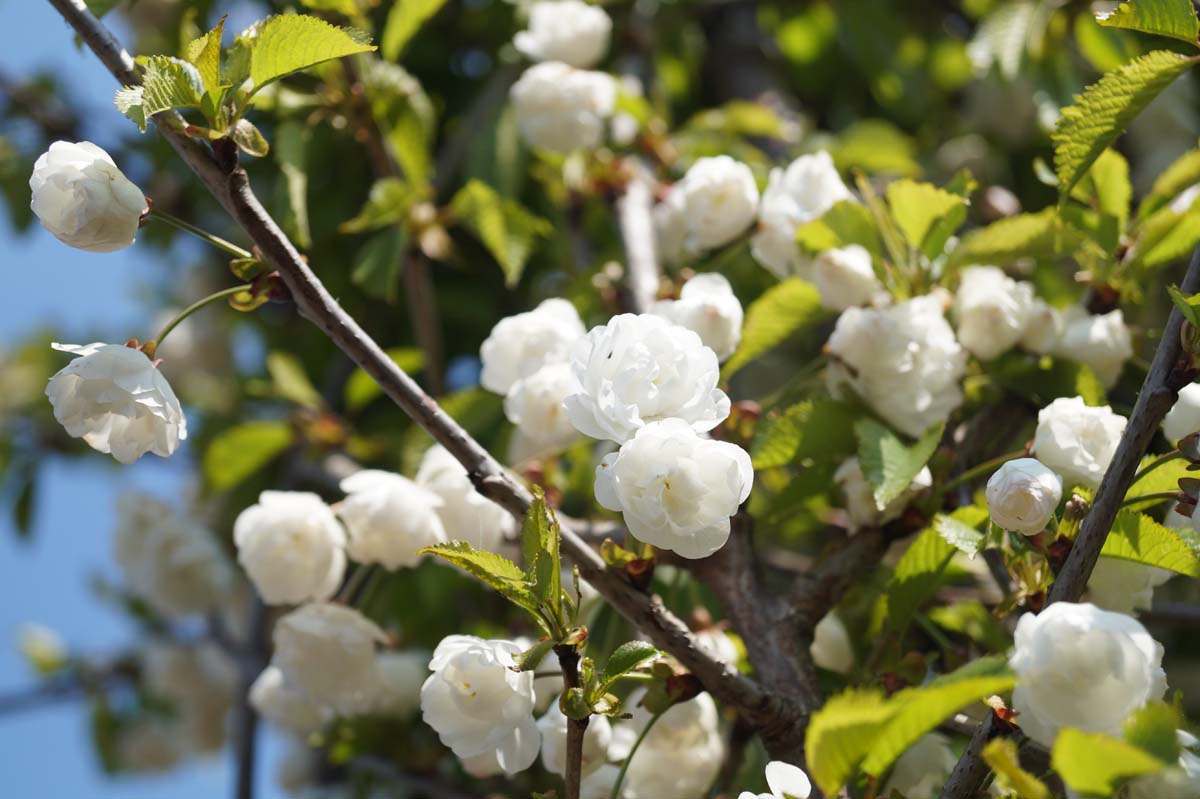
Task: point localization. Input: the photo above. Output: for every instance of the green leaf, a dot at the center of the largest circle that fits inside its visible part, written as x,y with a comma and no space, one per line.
1043,378
249,139
1188,306
361,388
887,463
1165,237
959,528
816,428
1161,478
240,451
1095,764
742,118
1153,728
387,204
289,381
495,571
292,140
972,619
534,655
782,311
1183,172
403,22
1105,108
1001,756
1137,537
876,146
1039,235
1109,177
917,207
379,262
916,577
846,222
624,659
128,101
539,545
919,710
505,228
1173,18
166,83
205,54
291,42
841,734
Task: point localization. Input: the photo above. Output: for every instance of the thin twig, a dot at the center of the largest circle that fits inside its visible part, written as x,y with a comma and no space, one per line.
247,718
568,661
637,231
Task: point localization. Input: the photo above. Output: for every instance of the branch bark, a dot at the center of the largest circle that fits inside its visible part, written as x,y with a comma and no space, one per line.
231,187
634,213
568,661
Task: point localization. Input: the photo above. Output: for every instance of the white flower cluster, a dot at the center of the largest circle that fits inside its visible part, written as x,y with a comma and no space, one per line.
560,108
570,31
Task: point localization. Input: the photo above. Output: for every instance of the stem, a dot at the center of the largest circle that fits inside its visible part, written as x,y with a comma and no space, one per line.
1156,497
1154,464
635,219
247,718
568,661
981,469
616,791
199,233
195,306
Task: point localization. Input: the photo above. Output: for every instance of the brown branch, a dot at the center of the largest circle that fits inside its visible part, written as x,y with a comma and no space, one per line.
635,219
568,661
252,662
231,187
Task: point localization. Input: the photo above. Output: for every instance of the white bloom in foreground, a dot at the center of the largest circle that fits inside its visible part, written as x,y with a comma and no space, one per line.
328,652
117,401
845,277
708,307
1184,417
1100,342
831,648
553,729
1022,495
1076,440
81,197
570,31
401,675
680,755
640,368
285,705
675,489
720,198
290,545
466,514
1124,586
902,360
992,311
535,405
522,344
389,518
1043,328
1083,667
922,770
860,498
171,562
808,188
785,781
200,683
479,706
560,108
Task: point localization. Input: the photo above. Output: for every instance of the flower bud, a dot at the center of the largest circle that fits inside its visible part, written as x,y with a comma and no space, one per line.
81,197
1022,495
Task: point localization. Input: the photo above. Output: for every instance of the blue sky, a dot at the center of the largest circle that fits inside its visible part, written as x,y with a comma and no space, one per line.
44,284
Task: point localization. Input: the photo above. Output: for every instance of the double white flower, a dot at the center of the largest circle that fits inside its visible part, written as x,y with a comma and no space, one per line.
570,31
802,192
328,652
389,518
81,197
785,781
992,311
687,736
117,401
291,546
1076,440
466,514
561,108
718,198
708,307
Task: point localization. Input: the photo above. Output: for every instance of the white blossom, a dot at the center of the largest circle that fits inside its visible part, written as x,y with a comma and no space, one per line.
1100,342
400,676
675,489
1022,495
466,514
1184,417
389,518
687,736
297,768
1124,586
553,729
845,277
81,197
285,705
1076,440
992,311
150,744
922,770
170,561
328,652
902,360
480,707
860,498
1083,667
535,405
639,369
785,781
291,546
1043,328
520,345
200,682
570,31
708,307
117,401
832,648
560,108
720,198
808,188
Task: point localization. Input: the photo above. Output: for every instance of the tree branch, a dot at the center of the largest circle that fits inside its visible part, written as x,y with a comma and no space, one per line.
637,231
250,665
568,661
232,190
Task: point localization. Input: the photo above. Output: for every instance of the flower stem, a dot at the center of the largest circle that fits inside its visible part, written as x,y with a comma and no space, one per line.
1154,464
195,306
1160,496
616,791
568,660
199,233
981,469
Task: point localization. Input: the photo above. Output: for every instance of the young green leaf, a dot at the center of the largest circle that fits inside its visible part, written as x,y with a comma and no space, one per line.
291,42
1165,237
387,204
847,222
403,22
1188,306
624,659
1095,764
816,428
289,381
534,655
1001,755
1105,108
887,462
1173,18
128,101
1004,241
841,734
166,83
249,139
492,570
379,262
959,528
539,545
505,228
240,451
293,140
782,311
1135,536
916,577
205,54
918,207
1183,172
1154,729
